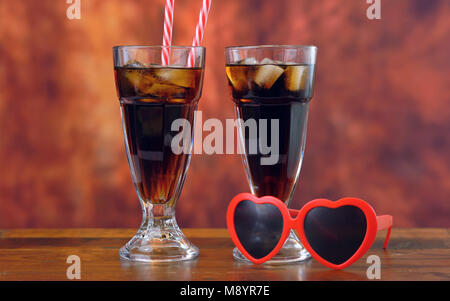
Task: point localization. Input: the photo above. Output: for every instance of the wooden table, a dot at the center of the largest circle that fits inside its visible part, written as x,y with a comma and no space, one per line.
38,254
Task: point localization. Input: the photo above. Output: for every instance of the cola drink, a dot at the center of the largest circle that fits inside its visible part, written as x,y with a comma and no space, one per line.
267,90
151,98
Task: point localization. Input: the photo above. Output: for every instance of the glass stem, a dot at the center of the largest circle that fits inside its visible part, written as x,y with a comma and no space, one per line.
159,222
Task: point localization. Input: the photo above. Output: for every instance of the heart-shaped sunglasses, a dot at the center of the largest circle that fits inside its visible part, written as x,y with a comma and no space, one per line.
335,233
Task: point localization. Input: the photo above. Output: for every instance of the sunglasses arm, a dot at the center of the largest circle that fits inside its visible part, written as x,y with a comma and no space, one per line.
385,222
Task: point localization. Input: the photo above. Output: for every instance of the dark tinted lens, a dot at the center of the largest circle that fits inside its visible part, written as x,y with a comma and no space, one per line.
258,227
335,234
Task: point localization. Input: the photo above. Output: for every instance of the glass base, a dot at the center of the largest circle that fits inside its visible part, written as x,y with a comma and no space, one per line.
159,240
292,251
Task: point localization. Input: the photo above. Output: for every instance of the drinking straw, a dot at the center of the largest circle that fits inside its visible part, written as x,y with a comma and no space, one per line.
199,30
167,37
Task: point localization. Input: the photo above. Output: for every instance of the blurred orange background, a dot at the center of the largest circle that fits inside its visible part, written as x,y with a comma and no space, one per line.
379,122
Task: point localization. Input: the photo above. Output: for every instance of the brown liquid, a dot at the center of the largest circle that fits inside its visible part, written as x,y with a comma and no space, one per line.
283,100
151,99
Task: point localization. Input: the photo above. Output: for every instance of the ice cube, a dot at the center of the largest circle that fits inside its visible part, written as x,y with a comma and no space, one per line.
296,78
267,61
134,64
164,90
140,80
248,61
180,77
267,75
237,75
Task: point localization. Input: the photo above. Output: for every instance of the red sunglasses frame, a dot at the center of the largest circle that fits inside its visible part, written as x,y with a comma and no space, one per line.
294,219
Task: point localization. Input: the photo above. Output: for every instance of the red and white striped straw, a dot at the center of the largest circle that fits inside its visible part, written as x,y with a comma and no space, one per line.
199,30
168,25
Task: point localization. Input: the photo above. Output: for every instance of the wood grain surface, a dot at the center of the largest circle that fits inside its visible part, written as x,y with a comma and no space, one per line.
40,254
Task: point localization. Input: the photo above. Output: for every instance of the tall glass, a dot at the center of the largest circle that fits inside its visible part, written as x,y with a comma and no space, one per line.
157,104
271,88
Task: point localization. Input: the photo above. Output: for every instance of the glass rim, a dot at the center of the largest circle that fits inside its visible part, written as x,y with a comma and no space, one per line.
271,46
118,47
